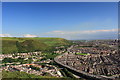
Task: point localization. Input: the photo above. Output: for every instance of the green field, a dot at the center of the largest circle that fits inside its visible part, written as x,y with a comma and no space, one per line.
49,55
15,45
16,74
6,75
81,53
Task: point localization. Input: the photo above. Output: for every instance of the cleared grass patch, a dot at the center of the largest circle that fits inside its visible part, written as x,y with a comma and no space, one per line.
81,53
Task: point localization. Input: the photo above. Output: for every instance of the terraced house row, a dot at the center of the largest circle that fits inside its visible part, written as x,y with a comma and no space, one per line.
105,63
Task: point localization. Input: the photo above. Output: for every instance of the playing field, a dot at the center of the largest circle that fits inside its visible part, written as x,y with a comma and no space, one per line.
81,53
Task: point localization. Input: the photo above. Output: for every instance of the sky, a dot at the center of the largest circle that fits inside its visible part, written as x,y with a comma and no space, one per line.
60,0
69,20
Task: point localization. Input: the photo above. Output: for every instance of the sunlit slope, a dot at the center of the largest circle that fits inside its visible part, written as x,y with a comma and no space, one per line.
16,74
9,46
14,45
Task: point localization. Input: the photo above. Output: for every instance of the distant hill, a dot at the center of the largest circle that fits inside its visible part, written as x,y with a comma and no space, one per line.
14,45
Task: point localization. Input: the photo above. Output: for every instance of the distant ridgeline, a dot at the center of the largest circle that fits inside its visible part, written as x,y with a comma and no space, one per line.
15,45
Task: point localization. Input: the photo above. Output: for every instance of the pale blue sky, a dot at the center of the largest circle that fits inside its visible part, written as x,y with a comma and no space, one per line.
70,20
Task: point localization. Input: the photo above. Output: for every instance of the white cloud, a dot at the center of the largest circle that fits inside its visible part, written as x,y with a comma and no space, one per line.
29,35
86,34
5,35
82,32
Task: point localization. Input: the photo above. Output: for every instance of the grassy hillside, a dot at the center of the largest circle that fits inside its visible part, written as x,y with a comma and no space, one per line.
9,46
16,74
14,45
7,75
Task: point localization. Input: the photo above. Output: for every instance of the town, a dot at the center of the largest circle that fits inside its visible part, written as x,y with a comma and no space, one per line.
94,57
31,63
99,58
